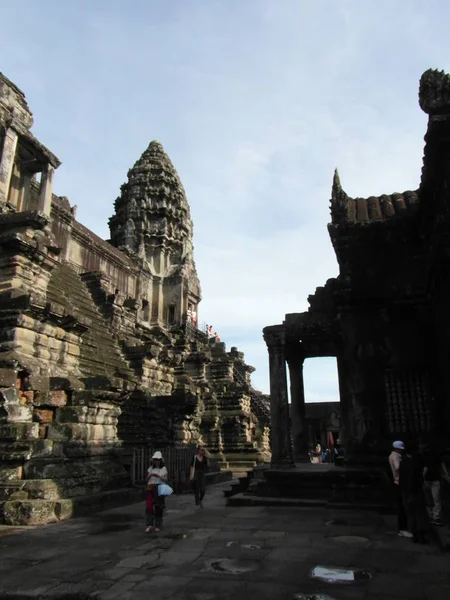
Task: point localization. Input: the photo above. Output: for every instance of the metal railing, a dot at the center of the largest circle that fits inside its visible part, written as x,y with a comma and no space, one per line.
260,406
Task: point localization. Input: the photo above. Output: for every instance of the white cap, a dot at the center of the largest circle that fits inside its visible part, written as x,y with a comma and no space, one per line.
157,455
398,445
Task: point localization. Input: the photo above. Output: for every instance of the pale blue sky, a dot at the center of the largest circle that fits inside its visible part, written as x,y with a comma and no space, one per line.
256,102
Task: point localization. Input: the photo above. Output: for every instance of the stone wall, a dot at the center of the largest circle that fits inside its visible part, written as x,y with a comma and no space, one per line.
96,352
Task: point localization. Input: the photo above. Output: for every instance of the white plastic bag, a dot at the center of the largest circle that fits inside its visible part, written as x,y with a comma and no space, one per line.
164,490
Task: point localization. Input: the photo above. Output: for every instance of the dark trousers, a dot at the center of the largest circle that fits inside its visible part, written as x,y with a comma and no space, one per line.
402,520
199,485
416,512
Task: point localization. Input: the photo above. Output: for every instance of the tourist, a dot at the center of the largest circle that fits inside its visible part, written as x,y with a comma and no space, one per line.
210,332
154,506
197,476
434,468
216,337
395,459
411,487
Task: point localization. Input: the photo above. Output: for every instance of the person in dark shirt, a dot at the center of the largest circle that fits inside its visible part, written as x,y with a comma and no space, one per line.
411,486
434,468
199,467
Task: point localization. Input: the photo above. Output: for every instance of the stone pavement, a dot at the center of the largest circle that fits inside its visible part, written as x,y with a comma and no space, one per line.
220,553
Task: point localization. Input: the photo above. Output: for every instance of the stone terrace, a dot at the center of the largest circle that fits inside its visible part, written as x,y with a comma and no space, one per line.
272,553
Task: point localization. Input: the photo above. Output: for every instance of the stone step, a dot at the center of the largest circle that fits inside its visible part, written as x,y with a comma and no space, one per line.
100,354
243,499
39,512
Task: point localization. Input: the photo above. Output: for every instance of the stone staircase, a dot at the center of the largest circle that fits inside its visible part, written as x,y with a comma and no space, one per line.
311,485
101,360
246,481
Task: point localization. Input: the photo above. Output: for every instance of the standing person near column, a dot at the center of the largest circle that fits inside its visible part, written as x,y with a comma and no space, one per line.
154,506
199,467
412,488
395,459
434,469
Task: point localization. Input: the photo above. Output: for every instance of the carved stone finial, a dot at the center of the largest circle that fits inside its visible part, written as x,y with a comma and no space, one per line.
434,92
155,200
339,201
274,336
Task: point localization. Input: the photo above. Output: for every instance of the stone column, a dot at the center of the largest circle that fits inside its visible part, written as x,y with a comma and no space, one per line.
45,195
7,163
280,435
295,360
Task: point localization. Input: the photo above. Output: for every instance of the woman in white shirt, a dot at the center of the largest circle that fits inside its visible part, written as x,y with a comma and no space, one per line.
154,506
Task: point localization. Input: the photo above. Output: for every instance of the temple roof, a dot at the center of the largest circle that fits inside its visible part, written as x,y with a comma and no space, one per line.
345,209
152,213
156,169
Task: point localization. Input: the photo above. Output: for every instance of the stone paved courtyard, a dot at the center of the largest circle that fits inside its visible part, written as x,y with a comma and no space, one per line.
220,553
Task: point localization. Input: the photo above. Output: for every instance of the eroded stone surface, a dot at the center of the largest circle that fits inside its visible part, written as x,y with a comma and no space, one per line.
228,566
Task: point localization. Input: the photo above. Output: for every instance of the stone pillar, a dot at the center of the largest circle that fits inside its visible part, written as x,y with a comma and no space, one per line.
45,195
281,443
7,163
295,360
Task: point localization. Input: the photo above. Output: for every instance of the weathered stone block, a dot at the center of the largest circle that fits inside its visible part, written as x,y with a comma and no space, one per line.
45,448
29,512
10,473
19,495
42,468
43,415
19,431
27,397
9,395
16,413
38,383
81,431
51,398
7,378
85,414
58,398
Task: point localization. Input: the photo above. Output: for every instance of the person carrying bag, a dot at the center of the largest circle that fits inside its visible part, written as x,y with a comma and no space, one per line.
157,476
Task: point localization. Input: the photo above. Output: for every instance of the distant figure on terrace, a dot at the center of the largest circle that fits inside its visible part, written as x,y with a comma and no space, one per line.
210,332
199,467
194,318
217,337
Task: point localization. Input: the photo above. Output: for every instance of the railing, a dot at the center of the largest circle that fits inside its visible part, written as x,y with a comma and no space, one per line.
260,406
177,461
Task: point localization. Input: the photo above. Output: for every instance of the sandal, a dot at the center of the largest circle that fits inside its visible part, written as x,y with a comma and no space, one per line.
149,529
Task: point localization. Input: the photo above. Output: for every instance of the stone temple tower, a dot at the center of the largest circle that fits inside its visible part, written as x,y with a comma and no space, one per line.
153,225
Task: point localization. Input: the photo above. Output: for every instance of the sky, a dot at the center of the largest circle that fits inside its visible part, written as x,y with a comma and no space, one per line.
256,102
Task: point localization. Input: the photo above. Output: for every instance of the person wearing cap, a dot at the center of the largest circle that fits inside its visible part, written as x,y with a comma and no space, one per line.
154,506
395,459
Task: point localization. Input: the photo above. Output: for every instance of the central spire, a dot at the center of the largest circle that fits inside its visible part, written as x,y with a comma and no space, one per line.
152,208
152,223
